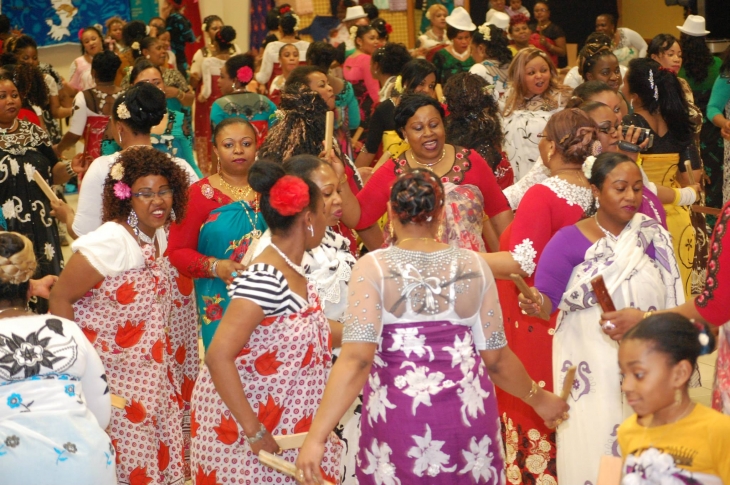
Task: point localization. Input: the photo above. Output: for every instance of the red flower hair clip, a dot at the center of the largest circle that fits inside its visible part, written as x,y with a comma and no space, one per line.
284,9
244,75
289,195
388,28
81,33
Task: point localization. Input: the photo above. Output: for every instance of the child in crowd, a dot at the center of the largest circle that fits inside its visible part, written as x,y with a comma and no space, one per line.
670,439
515,8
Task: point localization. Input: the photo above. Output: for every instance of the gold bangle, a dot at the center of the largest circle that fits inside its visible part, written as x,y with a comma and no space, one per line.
647,315
533,391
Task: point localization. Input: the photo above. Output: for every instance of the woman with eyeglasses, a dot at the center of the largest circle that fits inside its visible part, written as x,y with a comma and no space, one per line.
138,312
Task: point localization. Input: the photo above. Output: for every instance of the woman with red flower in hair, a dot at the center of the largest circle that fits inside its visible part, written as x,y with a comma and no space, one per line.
270,358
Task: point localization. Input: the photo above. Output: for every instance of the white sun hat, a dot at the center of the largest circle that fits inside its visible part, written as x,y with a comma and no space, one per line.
460,19
694,25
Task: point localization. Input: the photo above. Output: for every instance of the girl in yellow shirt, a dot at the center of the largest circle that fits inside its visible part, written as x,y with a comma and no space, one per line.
670,439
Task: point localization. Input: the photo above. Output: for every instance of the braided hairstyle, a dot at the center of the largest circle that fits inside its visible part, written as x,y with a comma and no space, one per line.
574,135
473,120
597,46
17,266
261,177
141,162
696,57
497,47
301,130
417,197
675,336
225,37
660,91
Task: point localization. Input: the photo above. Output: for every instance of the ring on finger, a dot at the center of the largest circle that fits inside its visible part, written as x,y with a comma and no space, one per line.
565,416
608,326
299,476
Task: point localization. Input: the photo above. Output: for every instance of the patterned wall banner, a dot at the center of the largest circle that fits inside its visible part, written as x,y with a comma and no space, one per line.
144,10
53,22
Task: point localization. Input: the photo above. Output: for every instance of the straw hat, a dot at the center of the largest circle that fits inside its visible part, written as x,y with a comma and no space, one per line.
354,13
498,19
694,25
460,19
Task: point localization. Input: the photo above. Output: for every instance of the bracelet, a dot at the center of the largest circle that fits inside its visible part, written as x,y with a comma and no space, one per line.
647,315
257,437
533,391
69,168
180,94
213,268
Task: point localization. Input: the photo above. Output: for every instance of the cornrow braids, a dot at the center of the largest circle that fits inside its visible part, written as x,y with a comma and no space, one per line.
417,197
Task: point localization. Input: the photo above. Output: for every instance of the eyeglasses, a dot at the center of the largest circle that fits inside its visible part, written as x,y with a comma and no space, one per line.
148,195
541,135
609,130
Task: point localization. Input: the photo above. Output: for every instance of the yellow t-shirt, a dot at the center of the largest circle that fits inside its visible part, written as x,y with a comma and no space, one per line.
698,444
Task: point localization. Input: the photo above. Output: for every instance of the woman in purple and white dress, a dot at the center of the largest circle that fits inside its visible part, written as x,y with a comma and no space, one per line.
424,328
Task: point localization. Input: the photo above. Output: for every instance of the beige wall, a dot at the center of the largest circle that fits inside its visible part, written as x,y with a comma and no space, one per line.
651,17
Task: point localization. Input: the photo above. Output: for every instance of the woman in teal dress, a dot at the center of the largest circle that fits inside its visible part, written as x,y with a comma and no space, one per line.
455,58
222,224
255,108
173,134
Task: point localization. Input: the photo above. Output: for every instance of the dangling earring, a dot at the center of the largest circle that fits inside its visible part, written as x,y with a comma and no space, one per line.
597,204
391,232
440,232
677,397
631,104
173,217
147,56
550,155
133,220
233,86
120,138
311,230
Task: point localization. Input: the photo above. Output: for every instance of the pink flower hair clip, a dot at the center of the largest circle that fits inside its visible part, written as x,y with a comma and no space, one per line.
122,191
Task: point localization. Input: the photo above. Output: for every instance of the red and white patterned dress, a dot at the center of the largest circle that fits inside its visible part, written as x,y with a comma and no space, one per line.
143,324
283,369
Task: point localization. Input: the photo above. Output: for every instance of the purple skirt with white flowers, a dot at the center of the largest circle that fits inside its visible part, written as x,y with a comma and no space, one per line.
429,410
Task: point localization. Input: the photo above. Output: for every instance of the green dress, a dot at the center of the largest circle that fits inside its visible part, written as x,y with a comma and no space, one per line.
447,65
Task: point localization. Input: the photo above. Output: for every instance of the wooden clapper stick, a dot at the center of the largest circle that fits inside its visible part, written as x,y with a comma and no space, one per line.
44,186
329,131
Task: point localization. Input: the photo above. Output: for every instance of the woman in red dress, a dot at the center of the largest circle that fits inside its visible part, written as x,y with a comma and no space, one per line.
561,200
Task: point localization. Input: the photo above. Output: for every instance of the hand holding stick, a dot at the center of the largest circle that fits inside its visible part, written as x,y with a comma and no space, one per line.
527,292
283,466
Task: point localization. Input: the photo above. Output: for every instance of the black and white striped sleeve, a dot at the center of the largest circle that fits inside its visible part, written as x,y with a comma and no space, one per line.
265,286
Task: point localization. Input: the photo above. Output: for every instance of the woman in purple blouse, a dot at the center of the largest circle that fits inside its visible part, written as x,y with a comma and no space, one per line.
634,255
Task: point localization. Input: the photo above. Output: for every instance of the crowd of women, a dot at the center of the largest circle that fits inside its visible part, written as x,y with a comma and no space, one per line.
355,284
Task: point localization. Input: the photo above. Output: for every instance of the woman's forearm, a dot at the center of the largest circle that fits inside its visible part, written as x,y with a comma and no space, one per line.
372,237
507,372
346,381
502,265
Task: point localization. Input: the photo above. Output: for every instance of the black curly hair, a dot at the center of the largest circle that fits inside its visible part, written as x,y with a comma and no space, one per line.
261,177
417,197
665,95
146,105
302,128
14,44
391,58
140,66
225,37
30,83
322,54
497,47
234,63
372,11
106,64
141,162
696,57
473,120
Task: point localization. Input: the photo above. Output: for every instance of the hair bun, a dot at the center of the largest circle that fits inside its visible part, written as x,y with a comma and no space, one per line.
17,259
417,196
263,175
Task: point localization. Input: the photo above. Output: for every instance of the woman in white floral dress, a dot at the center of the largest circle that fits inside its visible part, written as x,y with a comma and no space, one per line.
423,320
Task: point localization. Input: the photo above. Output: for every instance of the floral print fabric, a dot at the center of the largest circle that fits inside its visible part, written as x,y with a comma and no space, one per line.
142,324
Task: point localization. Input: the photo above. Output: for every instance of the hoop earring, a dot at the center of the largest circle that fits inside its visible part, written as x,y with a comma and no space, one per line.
173,217
311,230
132,221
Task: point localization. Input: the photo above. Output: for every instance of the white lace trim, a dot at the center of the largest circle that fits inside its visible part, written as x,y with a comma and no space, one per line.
572,194
537,174
524,254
